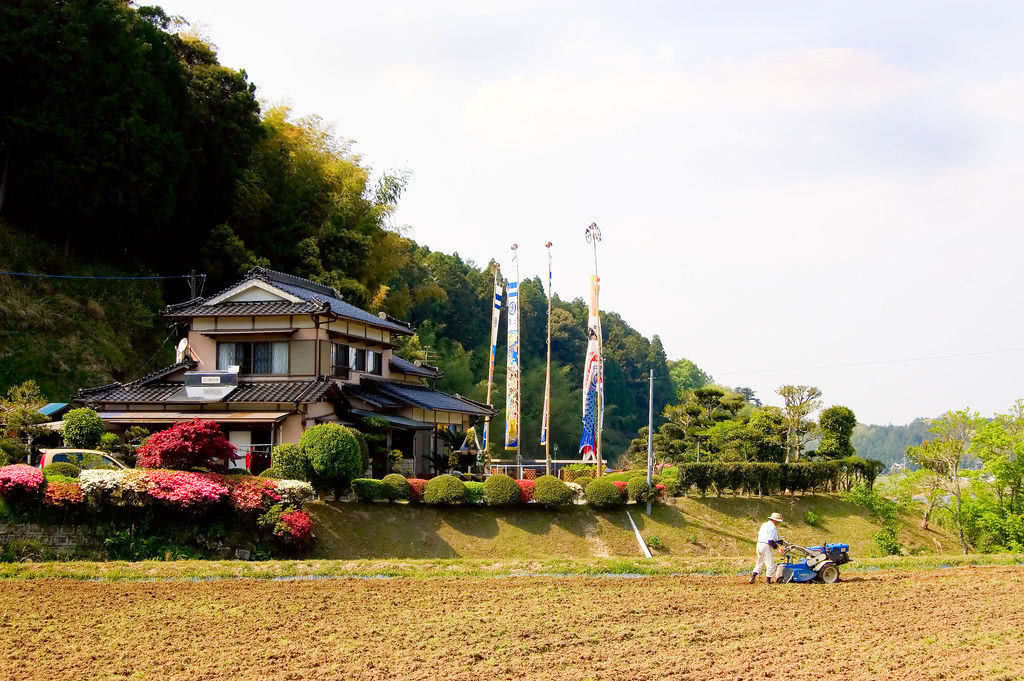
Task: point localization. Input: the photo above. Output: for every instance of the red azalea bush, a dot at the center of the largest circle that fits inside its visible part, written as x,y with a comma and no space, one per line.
622,487
63,495
251,494
185,491
20,482
193,444
416,488
661,490
526,489
295,526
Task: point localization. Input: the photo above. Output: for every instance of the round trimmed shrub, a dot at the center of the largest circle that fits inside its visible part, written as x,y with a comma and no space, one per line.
273,473
640,492
83,428
368,489
65,469
474,492
603,494
292,462
576,490
333,452
525,490
239,472
445,490
551,492
417,486
501,490
394,487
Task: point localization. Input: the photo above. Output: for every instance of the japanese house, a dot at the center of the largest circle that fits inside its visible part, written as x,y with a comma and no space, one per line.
276,354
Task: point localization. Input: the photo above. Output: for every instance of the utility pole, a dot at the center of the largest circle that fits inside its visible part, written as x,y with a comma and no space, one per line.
192,284
650,439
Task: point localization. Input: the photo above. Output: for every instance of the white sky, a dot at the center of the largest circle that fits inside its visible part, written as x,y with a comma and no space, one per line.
779,184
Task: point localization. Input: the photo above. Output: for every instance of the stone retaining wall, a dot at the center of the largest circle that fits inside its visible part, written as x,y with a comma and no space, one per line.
60,540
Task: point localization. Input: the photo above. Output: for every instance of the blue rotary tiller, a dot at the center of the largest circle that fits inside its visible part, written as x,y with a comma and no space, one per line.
812,563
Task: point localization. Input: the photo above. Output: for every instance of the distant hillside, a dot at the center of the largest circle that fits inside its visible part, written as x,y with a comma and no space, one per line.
888,443
70,333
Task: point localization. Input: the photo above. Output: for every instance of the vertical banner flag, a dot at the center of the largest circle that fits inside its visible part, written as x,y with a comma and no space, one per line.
546,418
495,320
512,369
593,379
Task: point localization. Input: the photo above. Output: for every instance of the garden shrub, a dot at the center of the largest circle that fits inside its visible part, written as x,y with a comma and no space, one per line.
395,487
294,492
576,490
63,495
12,451
62,468
20,483
291,527
272,472
183,446
622,487
603,494
395,457
183,491
445,490
109,443
417,486
334,455
640,492
251,494
474,492
239,472
526,490
552,492
82,428
368,489
292,462
502,490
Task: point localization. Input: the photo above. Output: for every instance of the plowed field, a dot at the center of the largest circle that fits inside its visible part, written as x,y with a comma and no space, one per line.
944,624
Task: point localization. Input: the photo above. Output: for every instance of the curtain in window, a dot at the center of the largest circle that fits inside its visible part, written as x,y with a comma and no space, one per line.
279,363
225,355
358,359
261,358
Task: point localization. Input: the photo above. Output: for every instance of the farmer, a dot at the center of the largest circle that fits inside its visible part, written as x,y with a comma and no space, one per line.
767,540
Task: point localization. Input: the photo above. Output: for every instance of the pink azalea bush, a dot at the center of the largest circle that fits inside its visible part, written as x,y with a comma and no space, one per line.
250,494
185,491
20,482
526,490
64,495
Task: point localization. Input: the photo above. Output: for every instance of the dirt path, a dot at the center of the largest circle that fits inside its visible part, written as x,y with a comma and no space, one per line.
944,624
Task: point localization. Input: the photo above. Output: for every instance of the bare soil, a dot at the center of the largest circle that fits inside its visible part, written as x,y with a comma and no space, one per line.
963,623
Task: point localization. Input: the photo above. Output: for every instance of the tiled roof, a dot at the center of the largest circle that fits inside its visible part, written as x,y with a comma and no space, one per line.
425,398
406,367
245,309
315,297
160,391
379,400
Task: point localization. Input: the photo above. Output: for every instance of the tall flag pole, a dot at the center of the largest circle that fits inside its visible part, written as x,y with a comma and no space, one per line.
593,371
512,422
495,319
546,421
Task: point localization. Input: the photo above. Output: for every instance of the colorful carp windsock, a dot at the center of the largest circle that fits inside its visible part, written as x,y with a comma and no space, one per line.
593,382
495,319
512,369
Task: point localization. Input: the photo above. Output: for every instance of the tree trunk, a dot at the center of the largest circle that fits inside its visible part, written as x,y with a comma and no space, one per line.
960,520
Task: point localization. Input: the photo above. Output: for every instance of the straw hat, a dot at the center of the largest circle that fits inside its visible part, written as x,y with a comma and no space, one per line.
776,517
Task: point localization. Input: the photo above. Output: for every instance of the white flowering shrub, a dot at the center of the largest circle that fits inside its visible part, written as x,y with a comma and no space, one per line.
577,492
295,492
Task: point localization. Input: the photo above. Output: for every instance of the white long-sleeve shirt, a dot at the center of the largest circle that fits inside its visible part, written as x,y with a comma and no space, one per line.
767,533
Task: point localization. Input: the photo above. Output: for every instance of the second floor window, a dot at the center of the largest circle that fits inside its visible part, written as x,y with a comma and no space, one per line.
254,358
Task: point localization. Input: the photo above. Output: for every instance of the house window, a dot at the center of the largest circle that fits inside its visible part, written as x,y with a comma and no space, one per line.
374,362
340,359
254,358
358,359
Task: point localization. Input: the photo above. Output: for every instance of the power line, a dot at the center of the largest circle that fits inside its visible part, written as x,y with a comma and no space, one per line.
83,276
879,361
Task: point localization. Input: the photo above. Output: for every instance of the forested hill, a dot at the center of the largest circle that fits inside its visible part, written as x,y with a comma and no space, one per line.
889,443
128,148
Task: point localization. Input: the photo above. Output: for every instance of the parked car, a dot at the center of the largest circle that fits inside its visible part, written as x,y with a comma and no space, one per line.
84,458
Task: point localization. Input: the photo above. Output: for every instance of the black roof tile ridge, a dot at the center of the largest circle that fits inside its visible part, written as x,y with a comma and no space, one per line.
294,280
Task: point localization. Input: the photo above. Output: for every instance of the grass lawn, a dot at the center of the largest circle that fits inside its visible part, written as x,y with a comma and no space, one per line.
687,527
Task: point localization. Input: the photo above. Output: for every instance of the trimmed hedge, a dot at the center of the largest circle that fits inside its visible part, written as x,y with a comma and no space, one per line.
526,489
68,470
603,493
445,490
501,490
417,486
639,491
293,463
368,489
83,428
474,492
551,492
333,452
273,472
770,478
394,487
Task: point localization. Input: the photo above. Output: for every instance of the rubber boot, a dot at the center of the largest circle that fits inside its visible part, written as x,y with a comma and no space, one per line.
769,580
753,578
